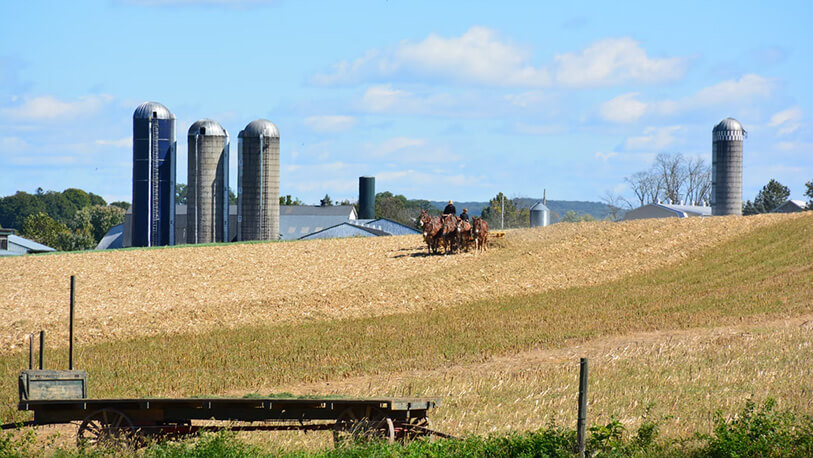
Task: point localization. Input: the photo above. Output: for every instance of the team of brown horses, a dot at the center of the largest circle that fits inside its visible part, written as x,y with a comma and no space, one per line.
450,233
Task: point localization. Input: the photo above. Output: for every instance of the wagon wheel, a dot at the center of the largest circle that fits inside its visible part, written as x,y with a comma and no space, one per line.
108,428
358,426
412,428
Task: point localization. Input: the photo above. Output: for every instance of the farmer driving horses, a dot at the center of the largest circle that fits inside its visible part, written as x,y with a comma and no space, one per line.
450,210
465,215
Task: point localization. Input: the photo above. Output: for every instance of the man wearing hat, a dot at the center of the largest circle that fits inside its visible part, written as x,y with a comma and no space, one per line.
450,210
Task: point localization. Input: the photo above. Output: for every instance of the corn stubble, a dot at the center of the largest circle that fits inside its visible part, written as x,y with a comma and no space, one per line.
680,317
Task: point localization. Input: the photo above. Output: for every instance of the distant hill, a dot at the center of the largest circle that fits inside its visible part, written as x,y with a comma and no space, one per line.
557,207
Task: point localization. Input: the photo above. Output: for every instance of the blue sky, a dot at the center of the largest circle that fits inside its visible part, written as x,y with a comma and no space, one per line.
438,100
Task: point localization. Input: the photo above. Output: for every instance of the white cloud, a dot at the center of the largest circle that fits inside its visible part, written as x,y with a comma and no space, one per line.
604,157
332,123
384,98
787,120
529,99
654,139
478,56
395,144
627,108
616,61
126,142
539,129
12,145
51,108
623,109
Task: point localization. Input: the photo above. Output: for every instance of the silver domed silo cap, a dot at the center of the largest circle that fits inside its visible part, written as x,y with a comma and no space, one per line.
260,128
207,127
154,110
728,124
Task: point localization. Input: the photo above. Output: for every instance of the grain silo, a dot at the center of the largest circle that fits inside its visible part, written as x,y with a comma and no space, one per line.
258,181
153,220
207,192
540,215
726,167
366,197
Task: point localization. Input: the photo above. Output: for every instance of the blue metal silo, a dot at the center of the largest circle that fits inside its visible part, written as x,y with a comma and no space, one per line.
153,175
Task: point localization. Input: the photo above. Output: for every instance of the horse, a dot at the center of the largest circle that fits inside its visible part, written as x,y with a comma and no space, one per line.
480,234
431,230
450,232
464,234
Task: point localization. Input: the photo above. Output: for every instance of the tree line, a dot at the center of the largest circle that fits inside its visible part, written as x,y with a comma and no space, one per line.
66,221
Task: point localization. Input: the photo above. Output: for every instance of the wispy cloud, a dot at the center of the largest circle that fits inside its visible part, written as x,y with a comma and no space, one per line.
654,139
481,57
126,142
628,108
478,56
47,107
616,61
787,120
330,123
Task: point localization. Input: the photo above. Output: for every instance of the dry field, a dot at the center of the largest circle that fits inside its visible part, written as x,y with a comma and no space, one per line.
683,317
125,294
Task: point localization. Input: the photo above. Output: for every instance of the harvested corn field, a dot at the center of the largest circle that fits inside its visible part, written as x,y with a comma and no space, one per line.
124,294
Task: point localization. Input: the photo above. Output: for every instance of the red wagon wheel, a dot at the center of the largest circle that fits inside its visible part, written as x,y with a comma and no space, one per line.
108,428
362,425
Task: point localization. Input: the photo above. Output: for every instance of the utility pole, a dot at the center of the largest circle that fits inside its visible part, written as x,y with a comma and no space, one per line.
502,212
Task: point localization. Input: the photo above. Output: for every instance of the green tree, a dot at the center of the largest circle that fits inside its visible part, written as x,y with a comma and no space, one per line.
57,206
74,241
43,229
287,200
809,194
96,200
399,208
504,210
121,204
97,220
232,197
78,197
16,208
769,197
326,202
180,193
573,217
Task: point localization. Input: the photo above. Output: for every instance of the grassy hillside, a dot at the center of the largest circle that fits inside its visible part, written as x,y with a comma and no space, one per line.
692,333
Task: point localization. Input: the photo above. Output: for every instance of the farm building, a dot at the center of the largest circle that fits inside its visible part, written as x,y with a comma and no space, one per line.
662,210
295,222
791,206
14,245
344,230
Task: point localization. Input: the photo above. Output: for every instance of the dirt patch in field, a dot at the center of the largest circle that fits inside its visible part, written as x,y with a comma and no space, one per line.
123,294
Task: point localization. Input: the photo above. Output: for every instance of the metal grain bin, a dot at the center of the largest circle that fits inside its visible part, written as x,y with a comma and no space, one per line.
258,182
540,215
726,167
153,175
207,218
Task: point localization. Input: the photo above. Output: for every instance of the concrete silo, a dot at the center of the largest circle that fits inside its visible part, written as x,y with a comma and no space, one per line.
258,181
366,197
153,220
207,209
540,215
726,167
